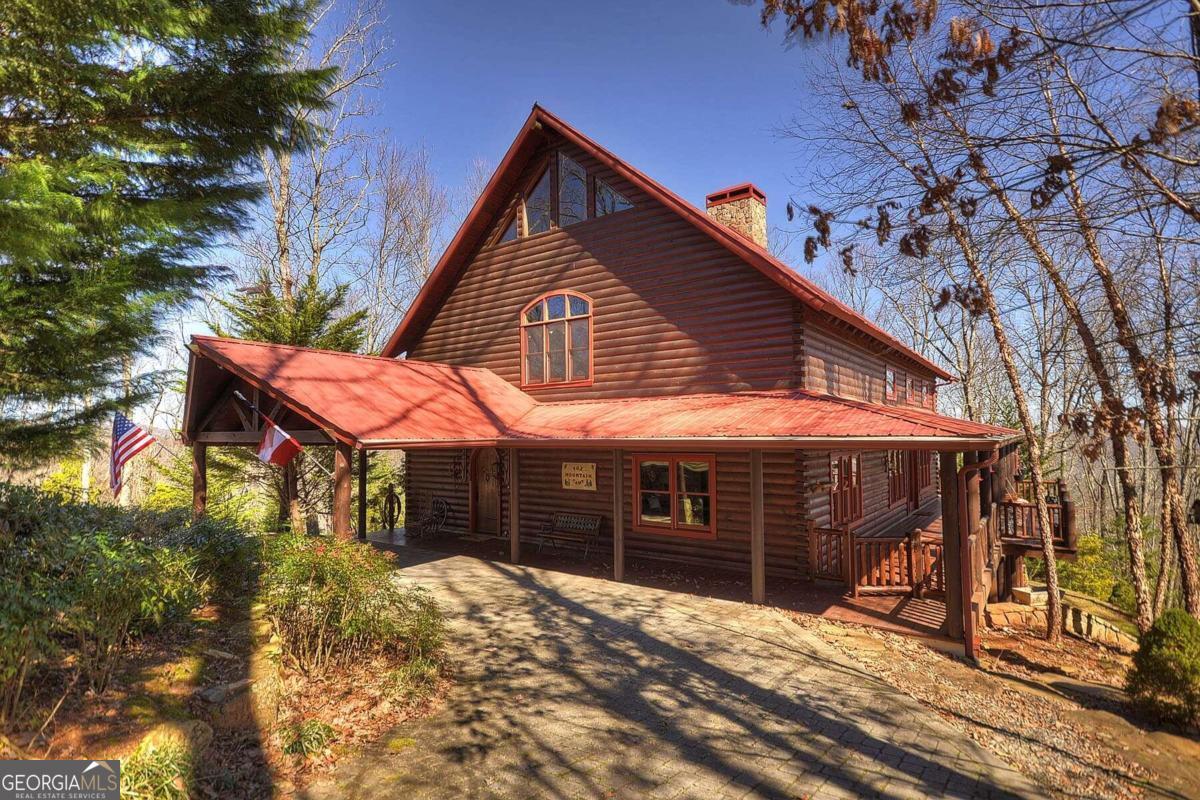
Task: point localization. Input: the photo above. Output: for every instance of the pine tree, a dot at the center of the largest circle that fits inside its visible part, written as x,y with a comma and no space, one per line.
305,315
128,130
311,316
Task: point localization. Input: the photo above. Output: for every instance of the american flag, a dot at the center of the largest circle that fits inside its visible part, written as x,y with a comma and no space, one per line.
127,441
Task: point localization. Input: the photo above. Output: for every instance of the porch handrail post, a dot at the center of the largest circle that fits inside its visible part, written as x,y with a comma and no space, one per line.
341,490
952,562
362,494
199,480
618,515
758,555
514,508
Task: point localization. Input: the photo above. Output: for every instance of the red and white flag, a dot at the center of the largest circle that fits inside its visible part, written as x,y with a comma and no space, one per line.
277,445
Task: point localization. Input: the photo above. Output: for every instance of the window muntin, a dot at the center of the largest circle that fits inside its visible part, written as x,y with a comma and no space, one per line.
609,200
897,472
572,191
538,208
675,494
845,490
556,340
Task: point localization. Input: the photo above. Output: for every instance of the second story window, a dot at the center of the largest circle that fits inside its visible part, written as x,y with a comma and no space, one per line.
556,340
889,383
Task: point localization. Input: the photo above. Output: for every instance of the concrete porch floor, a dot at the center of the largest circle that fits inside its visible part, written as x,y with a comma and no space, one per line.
923,618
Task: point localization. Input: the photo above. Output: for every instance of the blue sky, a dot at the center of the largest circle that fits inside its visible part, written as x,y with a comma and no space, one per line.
690,92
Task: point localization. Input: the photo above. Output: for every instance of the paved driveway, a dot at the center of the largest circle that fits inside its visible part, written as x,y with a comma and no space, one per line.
574,687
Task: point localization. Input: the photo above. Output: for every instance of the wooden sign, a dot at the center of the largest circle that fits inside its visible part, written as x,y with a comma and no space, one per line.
579,475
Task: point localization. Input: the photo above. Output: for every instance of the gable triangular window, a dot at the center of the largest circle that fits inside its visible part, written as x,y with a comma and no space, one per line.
609,200
564,194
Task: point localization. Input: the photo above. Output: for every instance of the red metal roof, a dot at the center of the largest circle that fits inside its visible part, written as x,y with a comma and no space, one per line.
497,191
382,402
368,397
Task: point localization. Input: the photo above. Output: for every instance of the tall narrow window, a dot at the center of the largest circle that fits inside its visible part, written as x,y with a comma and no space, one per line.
675,494
924,469
897,476
538,209
845,492
889,383
556,340
609,200
572,192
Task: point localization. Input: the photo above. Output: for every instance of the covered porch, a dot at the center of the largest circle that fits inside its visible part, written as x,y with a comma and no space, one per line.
461,418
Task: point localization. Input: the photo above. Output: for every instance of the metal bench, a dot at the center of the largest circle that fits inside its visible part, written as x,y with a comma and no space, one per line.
567,528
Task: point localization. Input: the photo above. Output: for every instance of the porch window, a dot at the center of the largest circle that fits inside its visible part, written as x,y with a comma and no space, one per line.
675,494
924,469
897,476
845,492
556,340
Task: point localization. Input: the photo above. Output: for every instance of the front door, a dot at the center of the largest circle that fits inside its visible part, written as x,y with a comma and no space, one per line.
485,491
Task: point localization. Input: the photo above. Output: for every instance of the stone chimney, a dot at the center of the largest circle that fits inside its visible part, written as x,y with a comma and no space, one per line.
743,208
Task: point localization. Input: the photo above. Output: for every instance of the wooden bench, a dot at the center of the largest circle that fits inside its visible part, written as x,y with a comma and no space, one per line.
567,528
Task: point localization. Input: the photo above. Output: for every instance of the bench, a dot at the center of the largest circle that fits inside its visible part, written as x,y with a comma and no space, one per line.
566,528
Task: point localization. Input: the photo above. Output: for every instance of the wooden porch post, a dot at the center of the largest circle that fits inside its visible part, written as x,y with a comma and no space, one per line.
341,490
362,494
199,480
514,508
618,515
758,554
951,549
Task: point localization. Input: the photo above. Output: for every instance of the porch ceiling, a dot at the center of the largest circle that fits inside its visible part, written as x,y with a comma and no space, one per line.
378,402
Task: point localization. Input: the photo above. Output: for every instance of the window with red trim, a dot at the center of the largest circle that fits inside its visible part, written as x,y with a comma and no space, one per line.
924,469
556,340
845,490
897,474
675,494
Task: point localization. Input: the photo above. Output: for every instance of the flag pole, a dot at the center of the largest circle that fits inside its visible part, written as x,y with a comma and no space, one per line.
256,410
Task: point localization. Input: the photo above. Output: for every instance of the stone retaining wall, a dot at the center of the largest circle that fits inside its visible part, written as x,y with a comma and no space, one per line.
1076,622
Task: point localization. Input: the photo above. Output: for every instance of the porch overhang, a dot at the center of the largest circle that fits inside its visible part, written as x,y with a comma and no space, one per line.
368,402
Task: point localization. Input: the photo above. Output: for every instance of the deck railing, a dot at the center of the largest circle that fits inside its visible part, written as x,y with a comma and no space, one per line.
1017,521
915,563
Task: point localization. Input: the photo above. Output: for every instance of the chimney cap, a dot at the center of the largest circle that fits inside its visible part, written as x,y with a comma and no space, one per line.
739,192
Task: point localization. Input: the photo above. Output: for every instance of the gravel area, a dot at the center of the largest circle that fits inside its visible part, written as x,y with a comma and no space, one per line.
1074,747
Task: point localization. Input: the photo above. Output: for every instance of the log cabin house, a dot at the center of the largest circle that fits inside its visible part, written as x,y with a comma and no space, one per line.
593,352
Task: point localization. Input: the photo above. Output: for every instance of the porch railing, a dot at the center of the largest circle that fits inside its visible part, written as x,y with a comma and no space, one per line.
911,564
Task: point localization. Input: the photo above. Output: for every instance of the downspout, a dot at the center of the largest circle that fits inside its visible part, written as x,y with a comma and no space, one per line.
966,587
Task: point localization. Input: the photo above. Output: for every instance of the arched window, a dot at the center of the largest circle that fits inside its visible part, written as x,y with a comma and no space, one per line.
556,340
